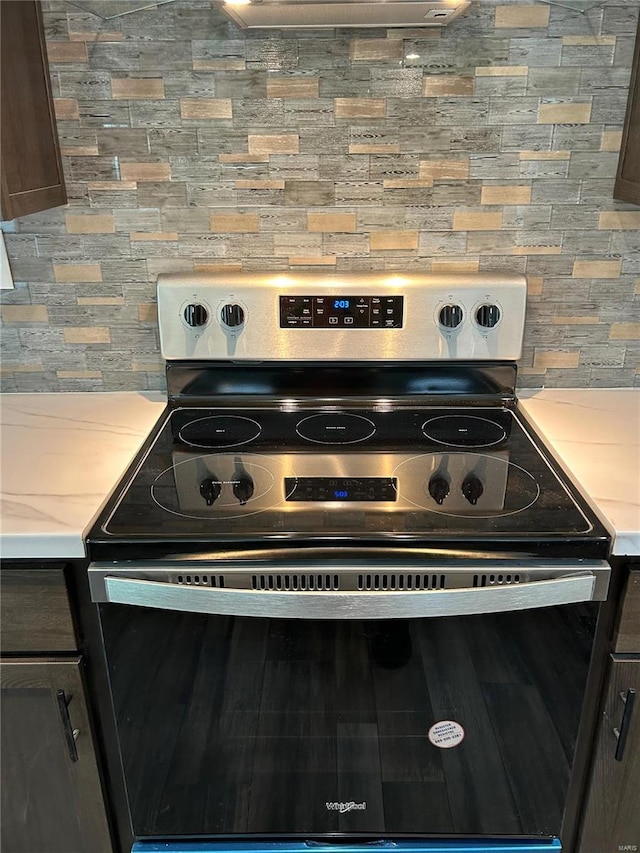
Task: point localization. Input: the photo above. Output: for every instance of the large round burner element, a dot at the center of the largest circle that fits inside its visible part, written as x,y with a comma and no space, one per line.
335,428
463,431
220,431
466,485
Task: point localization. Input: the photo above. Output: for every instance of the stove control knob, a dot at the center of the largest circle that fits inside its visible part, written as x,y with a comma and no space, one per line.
232,315
195,314
450,316
488,316
439,488
243,487
472,488
210,490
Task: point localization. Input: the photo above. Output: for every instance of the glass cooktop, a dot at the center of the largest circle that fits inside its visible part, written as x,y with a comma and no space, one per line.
427,474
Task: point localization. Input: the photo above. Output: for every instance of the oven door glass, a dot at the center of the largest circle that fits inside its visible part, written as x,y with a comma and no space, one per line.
438,727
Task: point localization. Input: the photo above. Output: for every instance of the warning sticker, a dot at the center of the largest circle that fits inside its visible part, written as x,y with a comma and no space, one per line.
446,733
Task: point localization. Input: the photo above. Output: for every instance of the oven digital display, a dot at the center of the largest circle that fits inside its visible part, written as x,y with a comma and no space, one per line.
342,312
341,488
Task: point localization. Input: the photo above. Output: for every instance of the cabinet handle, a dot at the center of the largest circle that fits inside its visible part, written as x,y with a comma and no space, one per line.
70,734
621,734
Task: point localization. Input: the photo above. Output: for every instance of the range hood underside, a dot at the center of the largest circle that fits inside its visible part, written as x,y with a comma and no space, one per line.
306,14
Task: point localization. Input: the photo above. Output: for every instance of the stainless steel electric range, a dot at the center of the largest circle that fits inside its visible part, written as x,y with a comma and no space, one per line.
345,594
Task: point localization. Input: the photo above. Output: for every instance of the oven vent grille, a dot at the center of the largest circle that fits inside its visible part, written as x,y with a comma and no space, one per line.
201,580
495,580
401,581
298,583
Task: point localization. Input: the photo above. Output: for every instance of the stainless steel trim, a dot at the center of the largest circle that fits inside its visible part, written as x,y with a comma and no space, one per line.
108,585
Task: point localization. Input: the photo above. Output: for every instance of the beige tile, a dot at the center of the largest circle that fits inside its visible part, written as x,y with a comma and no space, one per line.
293,87
534,285
360,107
465,221
537,250
625,332
549,358
234,223
81,35
435,85
66,109
85,223
385,240
244,158
219,64
637,287
24,313
66,51
148,312
206,108
375,49
406,183
312,262
444,267
440,169
145,171
276,143
611,140
330,222
80,151
502,70
593,40
564,113
258,185
100,300
597,269
619,220
520,15
206,266
153,236
77,272
147,367
87,335
79,374
112,186
545,155
415,33
531,371
383,148
130,88
8,369
505,195
575,321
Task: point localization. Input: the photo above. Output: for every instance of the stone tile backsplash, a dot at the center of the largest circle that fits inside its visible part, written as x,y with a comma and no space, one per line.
189,144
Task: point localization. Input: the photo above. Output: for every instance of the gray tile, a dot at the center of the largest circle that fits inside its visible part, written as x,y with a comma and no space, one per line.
577,137
535,52
588,55
513,110
122,142
350,193
114,56
442,243
140,219
555,191
158,113
107,114
609,107
162,194
601,164
85,85
212,195
189,84
309,193
548,82
165,55
239,85
461,110
526,137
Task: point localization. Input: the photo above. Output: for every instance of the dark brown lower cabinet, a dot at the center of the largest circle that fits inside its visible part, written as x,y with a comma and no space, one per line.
612,818
51,795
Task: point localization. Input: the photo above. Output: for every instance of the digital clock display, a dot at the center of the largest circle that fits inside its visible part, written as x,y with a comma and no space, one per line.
341,304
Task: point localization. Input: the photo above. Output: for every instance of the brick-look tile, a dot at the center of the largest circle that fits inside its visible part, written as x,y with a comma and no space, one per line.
259,185
154,236
100,300
597,269
206,266
611,140
87,335
502,71
202,108
588,40
312,262
544,155
444,169
406,183
148,312
445,267
234,223
83,223
534,285
82,35
383,148
331,222
565,113
371,49
559,358
385,240
24,313
505,195
66,109
66,51
521,15
360,107
440,85
244,158
587,320
79,374
145,171
132,88
469,221
625,331
619,220
276,143
75,273
293,87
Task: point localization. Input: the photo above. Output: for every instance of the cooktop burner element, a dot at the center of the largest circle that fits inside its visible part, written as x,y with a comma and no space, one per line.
219,431
336,428
464,431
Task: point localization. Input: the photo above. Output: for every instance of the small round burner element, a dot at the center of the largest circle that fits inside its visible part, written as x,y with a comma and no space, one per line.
335,428
463,431
220,431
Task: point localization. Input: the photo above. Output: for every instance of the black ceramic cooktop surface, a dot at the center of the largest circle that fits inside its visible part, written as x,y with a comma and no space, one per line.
419,474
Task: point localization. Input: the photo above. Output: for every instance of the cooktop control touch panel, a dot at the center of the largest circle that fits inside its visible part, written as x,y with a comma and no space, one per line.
344,312
319,316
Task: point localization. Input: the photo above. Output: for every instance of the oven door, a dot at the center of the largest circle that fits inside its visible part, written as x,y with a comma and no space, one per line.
371,702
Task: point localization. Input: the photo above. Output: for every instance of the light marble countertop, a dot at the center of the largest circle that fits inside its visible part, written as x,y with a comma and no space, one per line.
62,454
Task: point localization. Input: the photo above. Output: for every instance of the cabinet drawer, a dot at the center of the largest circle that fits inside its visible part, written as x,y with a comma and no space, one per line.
35,615
628,637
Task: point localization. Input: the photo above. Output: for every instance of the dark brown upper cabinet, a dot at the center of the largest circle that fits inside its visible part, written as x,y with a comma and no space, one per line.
627,186
32,177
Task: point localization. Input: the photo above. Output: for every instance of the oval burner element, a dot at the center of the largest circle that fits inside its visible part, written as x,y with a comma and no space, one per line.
463,431
220,431
335,428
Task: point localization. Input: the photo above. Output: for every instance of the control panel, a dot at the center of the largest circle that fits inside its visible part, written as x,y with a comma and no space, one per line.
341,488
332,317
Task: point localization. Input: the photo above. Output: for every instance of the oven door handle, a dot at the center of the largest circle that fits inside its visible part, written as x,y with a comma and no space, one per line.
276,604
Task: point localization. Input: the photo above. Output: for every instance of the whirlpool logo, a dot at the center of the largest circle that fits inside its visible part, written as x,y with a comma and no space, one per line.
346,807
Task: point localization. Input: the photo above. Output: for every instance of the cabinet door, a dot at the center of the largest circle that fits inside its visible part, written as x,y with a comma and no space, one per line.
32,177
627,186
50,793
612,818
